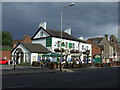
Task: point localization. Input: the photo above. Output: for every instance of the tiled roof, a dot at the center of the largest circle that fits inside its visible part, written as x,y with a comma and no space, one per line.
35,48
17,41
57,33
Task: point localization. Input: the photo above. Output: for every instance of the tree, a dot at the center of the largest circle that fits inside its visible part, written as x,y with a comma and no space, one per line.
6,38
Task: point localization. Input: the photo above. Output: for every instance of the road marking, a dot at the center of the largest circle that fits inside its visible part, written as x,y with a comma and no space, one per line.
20,86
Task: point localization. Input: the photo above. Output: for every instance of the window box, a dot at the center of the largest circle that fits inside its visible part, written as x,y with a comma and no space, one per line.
74,51
57,50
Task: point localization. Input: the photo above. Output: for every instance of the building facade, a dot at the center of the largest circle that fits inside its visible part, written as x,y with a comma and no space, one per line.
115,44
96,50
28,52
103,47
71,47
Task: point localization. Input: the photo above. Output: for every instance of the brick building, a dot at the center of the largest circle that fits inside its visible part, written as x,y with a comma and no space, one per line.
27,39
96,50
5,54
6,51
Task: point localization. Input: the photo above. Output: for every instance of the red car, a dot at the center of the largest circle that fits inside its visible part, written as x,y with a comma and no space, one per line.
3,61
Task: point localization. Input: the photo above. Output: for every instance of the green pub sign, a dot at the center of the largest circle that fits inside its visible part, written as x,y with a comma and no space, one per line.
48,42
70,45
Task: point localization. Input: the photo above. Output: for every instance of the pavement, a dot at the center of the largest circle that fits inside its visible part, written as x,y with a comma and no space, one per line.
19,70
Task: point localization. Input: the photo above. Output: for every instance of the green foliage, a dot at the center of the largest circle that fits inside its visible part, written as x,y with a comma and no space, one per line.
6,38
5,49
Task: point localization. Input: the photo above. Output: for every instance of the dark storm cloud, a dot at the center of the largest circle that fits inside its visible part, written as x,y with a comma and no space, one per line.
0,16
86,19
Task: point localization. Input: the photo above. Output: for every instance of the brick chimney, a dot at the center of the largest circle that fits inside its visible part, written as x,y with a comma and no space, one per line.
27,39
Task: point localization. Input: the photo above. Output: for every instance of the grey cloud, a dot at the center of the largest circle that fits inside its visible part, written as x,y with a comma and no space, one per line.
0,16
84,18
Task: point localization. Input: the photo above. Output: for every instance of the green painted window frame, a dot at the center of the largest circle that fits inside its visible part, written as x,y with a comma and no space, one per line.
70,45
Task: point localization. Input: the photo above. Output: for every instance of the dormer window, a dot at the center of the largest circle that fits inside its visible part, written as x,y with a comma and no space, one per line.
41,34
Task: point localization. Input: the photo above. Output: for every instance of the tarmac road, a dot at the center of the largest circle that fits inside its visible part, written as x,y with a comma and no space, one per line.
83,78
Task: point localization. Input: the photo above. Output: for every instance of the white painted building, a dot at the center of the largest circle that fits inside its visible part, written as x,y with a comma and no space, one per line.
46,40
28,52
51,39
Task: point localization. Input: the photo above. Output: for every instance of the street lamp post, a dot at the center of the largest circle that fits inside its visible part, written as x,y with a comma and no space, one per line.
87,53
72,4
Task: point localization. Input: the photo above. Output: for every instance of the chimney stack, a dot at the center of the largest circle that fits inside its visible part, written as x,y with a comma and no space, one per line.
106,36
43,25
68,31
81,38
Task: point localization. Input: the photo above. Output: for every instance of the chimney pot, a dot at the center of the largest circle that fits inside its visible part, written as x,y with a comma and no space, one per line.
68,31
43,25
81,38
106,36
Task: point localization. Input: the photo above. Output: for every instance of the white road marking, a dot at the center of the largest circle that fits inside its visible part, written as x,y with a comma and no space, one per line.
20,86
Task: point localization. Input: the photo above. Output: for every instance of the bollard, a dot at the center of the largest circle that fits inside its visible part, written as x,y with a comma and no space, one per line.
8,62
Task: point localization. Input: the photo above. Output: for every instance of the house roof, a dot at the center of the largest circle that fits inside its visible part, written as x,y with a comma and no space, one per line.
35,48
21,40
57,33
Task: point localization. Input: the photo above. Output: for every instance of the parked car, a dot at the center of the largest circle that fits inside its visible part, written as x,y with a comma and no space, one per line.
3,61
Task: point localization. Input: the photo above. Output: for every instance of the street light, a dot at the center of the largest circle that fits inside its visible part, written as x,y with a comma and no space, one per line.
72,4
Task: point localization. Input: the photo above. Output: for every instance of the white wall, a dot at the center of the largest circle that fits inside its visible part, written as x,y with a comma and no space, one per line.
38,35
43,42
55,43
40,41
24,51
78,45
34,57
22,47
85,48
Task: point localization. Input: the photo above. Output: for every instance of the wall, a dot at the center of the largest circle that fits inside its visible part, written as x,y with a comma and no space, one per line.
84,50
34,57
6,54
55,43
95,49
78,46
38,35
27,39
24,50
43,42
107,47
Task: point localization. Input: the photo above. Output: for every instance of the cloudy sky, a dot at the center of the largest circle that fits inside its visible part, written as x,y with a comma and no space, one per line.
87,19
